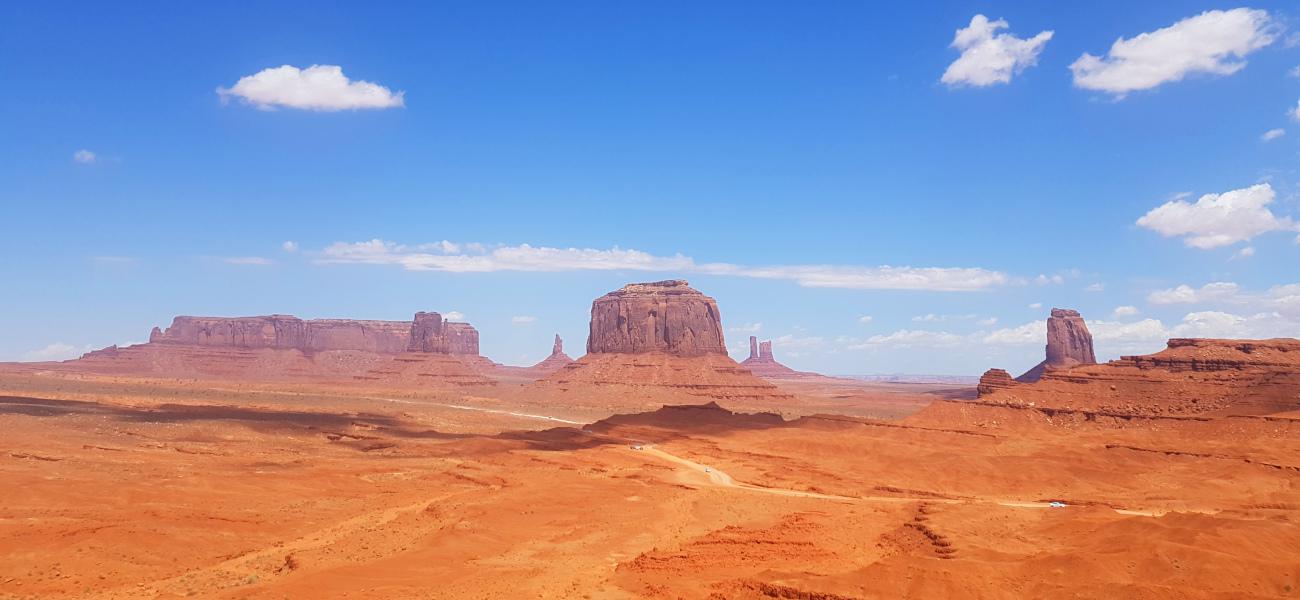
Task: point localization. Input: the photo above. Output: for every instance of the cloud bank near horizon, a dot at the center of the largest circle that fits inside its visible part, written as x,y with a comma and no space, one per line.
454,257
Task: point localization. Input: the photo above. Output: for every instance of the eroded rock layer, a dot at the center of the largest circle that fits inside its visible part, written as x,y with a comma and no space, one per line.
762,363
664,316
1191,377
1069,343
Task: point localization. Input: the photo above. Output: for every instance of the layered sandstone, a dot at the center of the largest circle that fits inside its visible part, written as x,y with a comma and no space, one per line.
762,363
427,332
1191,377
663,316
1069,343
425,350
652,343
286,332
556,361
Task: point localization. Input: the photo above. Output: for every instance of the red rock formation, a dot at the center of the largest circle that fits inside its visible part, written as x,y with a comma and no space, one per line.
1068,344
763,364
664,316
426,333
1191,377
283,347
556,361
993,380
657,342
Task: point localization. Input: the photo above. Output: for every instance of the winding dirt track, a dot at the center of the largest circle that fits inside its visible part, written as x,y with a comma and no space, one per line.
721,479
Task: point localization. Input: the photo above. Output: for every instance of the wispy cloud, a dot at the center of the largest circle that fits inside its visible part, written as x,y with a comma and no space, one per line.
116,260
55,351
522,319
747,328
1272,134
1214,42
467,258
248,260
84,157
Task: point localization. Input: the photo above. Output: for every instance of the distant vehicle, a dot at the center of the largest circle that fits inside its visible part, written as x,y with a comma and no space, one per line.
708,470
638,447
1056,504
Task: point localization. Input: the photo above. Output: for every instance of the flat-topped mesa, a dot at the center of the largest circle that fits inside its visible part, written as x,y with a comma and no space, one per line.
1190,377
1069,343
285,332
426,333
430,333
664,316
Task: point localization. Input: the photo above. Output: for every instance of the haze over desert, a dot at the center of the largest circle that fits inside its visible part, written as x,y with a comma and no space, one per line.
669,301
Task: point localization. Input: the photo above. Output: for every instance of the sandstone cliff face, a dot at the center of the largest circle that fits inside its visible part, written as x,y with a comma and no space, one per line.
664,316
1069,343
285,332
426,333
993,380
1191,377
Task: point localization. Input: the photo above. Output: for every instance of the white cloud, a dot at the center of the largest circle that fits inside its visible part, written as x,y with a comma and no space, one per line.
1036,305
453,315
1294,113
1049,279
1246,252
257,261
1126,311
933,318
989,322
1217,220
910,338
117,260
543,259
290,246
1186,294
520,320
747,328
84,157
318,87
865,319
988,57
1034,332
1272,134
1095,287
55,351
1213,42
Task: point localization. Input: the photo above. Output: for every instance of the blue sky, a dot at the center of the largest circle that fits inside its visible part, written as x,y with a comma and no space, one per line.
775,155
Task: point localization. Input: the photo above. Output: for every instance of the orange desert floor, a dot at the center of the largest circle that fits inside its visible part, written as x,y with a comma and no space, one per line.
155,489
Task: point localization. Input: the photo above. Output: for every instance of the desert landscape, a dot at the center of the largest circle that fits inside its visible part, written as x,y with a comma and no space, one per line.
727,300
270,457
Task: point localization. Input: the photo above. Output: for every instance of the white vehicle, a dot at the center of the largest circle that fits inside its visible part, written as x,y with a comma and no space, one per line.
708,470
1056,504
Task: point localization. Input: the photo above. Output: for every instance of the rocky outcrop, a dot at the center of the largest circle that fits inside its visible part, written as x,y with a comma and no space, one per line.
1191,377
653,343
993,380
664,316
286,332
556,361
762,363
427,332
1068,344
